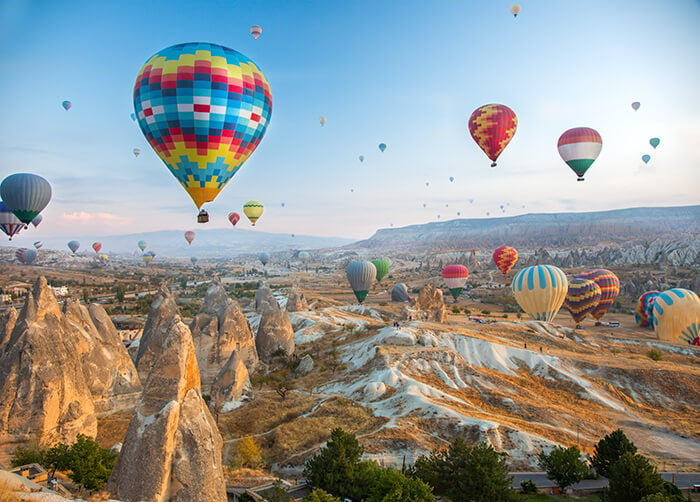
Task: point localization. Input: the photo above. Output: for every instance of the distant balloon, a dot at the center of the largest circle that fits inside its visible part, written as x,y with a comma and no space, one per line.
676,316
9,223
505,258
427,183
636,105
425,205
96,246
256,31
654,142
362,158
361,275
515,10
264,258
133,117
582,298
193,260
488,213
646,158
452,178
26,195
471,201
352,190
282,204
322,120
73,246
447,205
438,216
382,147
103,257
304,256
38,244
25,256
382,267
644,313
492,127
579,147
142,245
399,293
609,288
459,214
148,256
540,291
234,218
66,105
455,277
137,152
36,220
253,210
189,236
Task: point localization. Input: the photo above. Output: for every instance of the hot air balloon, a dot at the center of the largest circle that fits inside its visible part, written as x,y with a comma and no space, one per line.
73,246
644,313
455,277
425,205
38,244
492,127
253,210
579,147
609,288
452,178
256,31
148,256
361,275
646,158
9,223
654,142
427,183
96,246
142,245
540,291
505,258
322,120
362,158
459,214
515,10
25,194
204,109
234,218
25,256
36,220
582,298
133,116
399,293
382,267
189,236
66,105
282,204
264,258
382,147
193,260
636,105
676,316
103,257
304,256
137,152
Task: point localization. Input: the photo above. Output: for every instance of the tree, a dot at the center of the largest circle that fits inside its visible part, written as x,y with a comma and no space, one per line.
90,464
32,454
121,292
334,467
631,478
563,465
248,454
57,458
384,484
610,449
319,495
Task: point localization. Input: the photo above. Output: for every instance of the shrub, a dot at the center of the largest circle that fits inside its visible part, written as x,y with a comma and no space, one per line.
527,486
455,310
654,354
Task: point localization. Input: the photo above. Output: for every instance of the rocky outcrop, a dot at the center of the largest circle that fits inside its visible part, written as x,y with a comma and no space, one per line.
263,295
219,329
296,301
431,305
306,366
172,449
232,384
160,317
274,331
7,324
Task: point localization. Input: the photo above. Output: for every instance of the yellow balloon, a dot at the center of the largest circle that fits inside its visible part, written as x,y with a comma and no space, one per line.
253,210
540,291
677,316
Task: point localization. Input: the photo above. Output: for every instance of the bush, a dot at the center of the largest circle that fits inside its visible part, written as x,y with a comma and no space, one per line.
455,310
654,354
563,465
486,312
527,486
631,478
609,450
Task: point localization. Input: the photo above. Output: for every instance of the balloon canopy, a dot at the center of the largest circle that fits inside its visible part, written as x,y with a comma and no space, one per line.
382,267
505,258
646,158
540,291
9,223
579,147
636,105
609,288
582,298
361,275
26,195
73,246
492,127
399,293
25,256
189,236
142,245
676,316
256,31
253,210
36,220
264,258
66,105
382,147
96,246
644,313
515,10
234,218
455,277
654,142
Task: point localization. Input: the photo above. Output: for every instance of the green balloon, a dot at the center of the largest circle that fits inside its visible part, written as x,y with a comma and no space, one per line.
382,268
654,142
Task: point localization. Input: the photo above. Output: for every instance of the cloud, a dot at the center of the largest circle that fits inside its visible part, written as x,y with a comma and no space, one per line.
101,218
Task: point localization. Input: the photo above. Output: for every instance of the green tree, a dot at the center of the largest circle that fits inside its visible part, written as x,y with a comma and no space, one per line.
384,484
120,292
609,450
656,497
334,467
563,466
23,455
319,495
86,295
90,464
631,478
57,458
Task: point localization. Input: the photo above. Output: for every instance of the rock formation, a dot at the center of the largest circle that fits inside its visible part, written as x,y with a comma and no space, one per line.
296,301
274,332
263,295
306,365
218,330
7,324
163,311
232,384
172,449
431,305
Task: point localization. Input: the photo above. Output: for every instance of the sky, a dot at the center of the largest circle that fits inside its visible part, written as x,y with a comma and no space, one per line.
407,73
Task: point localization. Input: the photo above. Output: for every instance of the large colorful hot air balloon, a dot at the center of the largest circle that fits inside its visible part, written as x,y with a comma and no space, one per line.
38,244
322,120
492,127
646,158
142,245
25,256
644,313
256,31
253,210
636,105
455,277
515,10
264,258
36,220
399,293
505,258
66,105
676,316
361,275
382,147
203,108
189,236
654,142
382,267
579,147
582,298
234,218
609,288
96,246
9,223
540,291
26,195
73,246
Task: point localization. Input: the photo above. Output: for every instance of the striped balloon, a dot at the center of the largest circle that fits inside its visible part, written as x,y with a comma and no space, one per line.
677,316
253,210
644,313
582,298
9,223
492,127
399,293
540,291
455,277
25,256
579,147
505,258
26,195
361,275
382,268
609,288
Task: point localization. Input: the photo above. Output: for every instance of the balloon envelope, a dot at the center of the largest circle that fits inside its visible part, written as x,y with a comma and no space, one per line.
148,256
66,105
204,109
540,291
25,194
96,246
609,288
382,267
137,152
253,210
25,256
304,256
189,236
38,244
676,316
9,223
452,178
361,275
322,120
515,9
362,158
142,245
73,246
264,258
455,277
399,293
644,313
193,260
505,258
582,298
492,127
636,105
579,147
646,158
256,31
234,218
382,147
36,220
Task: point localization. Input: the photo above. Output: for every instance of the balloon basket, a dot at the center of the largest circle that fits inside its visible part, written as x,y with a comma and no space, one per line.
580,179
202,217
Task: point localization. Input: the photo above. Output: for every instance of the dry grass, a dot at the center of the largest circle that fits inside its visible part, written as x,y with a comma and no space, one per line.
6,495
112,428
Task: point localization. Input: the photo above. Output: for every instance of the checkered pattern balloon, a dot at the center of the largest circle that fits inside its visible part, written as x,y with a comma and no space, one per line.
609,289
204,109
492,127
505,257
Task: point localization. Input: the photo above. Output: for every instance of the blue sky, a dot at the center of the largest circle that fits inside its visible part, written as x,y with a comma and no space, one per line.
404,72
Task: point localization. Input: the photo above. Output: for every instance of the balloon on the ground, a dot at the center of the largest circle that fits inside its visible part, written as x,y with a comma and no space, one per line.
676,316
492,127
540,291
264,258
399,293
636,105
654,142
361,275
455,277
26,195
234,218
137,152
382,147
189,236
204,109
646,158
96,246
256,31
36,220
66,105
9,223
515,10
644,313
582,298
142,245
382,267
73,246
505,258
25,256
322,120
609,288
579,147
38,244
253,210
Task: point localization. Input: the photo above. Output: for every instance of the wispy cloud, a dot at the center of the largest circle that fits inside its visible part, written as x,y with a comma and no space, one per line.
102,218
